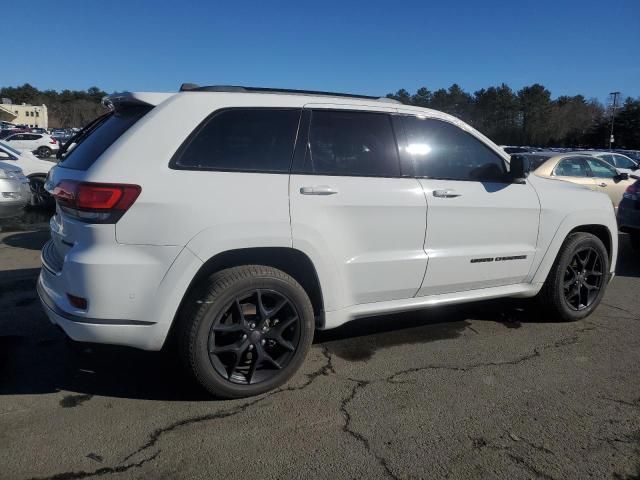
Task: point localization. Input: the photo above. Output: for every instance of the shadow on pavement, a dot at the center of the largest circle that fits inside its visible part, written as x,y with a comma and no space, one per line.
27,240
30,219
36,357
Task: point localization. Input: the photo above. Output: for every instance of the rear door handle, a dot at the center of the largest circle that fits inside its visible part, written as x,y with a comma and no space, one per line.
446,193
602,184
318,190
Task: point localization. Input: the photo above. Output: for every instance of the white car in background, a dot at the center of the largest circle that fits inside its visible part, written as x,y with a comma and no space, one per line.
34,168
41,144
14,190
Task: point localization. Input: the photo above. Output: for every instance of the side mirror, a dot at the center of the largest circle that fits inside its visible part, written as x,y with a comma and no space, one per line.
621,176
519,168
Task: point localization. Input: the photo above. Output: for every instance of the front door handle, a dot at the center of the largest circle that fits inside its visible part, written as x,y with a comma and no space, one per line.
318,190
445,193
602,184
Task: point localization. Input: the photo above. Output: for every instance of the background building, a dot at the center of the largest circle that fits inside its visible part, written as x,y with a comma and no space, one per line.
24,114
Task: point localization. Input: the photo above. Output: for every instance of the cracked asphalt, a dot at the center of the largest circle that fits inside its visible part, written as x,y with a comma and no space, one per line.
487,390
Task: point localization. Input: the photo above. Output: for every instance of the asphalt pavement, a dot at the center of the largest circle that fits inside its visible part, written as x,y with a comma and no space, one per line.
487,390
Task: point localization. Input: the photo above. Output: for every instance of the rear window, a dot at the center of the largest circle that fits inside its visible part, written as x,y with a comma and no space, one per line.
89,148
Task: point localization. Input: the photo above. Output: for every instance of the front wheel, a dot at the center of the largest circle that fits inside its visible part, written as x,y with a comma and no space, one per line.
577,281
39,195
246,331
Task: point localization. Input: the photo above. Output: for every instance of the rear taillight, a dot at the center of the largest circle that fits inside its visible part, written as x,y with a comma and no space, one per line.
95,202
53,141
632,192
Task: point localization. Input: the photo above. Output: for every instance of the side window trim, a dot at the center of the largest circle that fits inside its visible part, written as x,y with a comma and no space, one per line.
407,165
173,162
301,154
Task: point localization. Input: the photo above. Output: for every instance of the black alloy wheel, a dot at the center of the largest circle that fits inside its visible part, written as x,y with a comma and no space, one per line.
583,278
254,337
245,330
39,195
43,152
577,280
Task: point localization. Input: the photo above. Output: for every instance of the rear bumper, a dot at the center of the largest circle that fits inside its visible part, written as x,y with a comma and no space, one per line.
14,196
133,292
133,333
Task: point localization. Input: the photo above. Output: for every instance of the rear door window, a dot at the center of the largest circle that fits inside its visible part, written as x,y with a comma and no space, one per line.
349,143
89,148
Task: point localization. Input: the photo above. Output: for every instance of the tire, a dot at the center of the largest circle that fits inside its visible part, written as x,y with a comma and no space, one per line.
560,283
39,196
238,312
634,238
44,152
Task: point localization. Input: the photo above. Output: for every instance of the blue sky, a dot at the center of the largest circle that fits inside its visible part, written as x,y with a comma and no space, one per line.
368,47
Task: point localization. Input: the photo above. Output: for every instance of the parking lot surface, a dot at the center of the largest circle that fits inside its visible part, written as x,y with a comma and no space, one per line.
489,390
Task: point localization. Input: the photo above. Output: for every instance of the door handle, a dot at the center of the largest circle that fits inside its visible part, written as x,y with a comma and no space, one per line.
602,184
318,190
446,193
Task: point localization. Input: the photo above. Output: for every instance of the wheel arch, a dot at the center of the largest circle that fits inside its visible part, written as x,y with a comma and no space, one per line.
289,260
600,231
603,227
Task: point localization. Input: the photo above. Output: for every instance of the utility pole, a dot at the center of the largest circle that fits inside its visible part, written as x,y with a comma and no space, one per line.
613,116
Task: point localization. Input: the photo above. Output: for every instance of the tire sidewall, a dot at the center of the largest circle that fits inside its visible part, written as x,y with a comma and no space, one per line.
201,363
572,246
47,152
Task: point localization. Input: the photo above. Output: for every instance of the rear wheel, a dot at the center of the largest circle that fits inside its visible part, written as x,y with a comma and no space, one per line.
44,152
577,281
246,331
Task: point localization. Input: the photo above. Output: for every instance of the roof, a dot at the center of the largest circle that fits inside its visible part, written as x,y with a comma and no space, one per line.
155,98
192,87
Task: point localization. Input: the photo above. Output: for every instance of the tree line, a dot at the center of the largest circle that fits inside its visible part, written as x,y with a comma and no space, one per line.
68,108
531,117
528,116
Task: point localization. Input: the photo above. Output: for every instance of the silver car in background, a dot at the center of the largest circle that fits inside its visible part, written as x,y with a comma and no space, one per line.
14,190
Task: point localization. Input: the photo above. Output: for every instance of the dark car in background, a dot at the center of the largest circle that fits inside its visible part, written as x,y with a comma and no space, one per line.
629,214
62,135
535,159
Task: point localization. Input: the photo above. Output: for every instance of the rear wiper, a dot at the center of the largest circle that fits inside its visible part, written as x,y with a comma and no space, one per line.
82,134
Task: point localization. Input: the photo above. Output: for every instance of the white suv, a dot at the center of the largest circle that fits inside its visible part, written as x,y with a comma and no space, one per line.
238,220
41,144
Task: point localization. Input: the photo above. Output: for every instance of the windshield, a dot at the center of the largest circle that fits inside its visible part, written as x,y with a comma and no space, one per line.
623,162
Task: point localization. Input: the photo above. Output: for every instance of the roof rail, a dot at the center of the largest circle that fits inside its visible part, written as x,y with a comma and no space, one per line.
192,87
